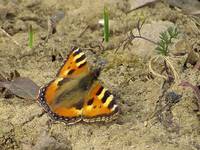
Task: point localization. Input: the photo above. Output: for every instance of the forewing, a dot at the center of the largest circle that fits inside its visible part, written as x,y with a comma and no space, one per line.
68,110
74,65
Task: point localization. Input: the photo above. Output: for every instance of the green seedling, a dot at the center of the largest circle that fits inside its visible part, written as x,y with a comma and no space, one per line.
106,24
166,39
30,35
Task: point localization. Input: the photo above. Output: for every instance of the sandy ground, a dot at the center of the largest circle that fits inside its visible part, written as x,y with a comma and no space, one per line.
125,73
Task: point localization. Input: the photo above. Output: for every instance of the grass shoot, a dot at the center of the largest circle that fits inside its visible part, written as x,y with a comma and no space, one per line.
106,24
30,35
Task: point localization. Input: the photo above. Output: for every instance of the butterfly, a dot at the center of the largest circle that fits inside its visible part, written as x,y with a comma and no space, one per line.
76,95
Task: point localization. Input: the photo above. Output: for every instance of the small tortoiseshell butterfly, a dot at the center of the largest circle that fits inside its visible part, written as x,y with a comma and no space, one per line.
75,94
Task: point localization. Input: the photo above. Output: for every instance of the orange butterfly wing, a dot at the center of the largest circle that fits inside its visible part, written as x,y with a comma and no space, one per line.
99,105
74,66
67,115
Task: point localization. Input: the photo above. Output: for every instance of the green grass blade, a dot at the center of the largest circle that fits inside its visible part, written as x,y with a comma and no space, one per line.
106,24
30,34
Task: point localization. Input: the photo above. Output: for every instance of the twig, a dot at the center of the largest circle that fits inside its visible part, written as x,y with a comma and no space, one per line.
83,31
140,25
131,36
144,38
10,37
176,77
175,74
151,69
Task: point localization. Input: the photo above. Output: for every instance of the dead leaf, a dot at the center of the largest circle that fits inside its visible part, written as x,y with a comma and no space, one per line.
192,59
8,77
22,87
196,90
135,4
188,7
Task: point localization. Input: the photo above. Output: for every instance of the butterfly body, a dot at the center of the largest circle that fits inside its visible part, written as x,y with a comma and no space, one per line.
76,94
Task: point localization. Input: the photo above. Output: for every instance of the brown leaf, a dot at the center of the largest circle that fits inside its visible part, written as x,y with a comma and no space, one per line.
192,58
22,87
196,90
135,4
190,7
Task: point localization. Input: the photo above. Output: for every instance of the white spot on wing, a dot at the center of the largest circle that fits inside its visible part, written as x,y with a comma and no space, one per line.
114,107
76,50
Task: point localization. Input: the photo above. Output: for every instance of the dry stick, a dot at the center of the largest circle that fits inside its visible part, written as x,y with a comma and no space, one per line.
131,38
10,37
195,24
151,69
84,30
176,77
144,38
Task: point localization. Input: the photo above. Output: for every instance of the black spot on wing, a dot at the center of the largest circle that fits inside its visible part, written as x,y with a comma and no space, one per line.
112,103
80,58
99,91
90,102
71,71
83,64
60,83
106,95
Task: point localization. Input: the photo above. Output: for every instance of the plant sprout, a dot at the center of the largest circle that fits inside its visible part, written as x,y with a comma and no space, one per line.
106,24
162,49
30,34
166,39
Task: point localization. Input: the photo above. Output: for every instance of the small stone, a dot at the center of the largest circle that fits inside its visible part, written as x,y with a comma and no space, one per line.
145,124
20,25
